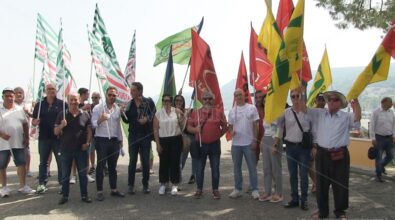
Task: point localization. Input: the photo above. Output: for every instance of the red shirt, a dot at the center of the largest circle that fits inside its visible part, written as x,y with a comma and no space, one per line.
213,122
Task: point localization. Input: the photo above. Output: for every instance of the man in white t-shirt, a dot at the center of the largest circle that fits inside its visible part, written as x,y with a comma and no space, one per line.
243,125
14,136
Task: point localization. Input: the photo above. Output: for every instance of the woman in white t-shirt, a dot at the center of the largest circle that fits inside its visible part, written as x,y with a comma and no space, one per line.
168,140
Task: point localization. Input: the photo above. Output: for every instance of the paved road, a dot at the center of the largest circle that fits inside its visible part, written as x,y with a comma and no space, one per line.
368,199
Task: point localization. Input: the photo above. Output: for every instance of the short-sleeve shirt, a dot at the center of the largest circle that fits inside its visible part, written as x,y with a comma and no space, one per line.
212,120
48,114
243,118
11,122
168,123
75,133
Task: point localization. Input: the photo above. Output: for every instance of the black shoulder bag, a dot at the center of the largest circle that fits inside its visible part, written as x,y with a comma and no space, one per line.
307,140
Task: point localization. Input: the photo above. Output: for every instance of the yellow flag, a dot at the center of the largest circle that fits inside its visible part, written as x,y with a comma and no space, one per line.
293,38
270,38
322,80
376,71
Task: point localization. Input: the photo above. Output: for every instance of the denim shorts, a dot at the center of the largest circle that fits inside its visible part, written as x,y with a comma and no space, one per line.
19,157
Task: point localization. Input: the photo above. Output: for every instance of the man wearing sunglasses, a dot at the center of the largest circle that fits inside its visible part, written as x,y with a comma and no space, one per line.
139,113
108,141
208,124
332,159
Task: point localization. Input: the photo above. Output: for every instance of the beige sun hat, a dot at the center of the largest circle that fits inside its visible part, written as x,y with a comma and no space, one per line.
338,95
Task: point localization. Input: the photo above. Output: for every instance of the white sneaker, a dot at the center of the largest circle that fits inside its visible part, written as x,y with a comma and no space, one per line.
26,190
162,189
235,194
90,179
41,189
174,190
73,180
5,192
255,194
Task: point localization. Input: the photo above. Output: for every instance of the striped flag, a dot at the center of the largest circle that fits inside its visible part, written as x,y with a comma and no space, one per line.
100,31
130,70
105,71
65,81
271,39
322,80
46,49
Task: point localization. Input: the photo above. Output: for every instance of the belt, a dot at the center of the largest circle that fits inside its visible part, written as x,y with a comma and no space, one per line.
385,136
106,138
331,149
289,142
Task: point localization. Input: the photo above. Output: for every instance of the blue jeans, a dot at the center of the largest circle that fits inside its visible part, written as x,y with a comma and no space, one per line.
384,144
67,159
139,143
44,149
213,152
237,157
298,158
183,160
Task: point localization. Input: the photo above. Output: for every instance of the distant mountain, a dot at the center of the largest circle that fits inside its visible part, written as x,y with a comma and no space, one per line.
343,79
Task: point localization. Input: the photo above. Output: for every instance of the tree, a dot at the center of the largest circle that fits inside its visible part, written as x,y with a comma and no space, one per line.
361,14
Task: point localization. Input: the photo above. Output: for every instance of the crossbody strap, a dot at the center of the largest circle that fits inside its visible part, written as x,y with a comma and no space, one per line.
297,120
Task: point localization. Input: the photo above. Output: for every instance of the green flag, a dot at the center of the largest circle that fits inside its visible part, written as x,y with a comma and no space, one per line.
181,43
169,83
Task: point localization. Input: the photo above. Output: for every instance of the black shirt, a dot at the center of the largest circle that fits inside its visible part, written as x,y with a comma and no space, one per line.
48,114
74,135
133,113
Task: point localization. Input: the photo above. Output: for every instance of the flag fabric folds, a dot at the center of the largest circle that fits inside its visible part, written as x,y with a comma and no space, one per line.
203,75
270,38
46,48
378,68
100,31
322,80
65,82
130,70
242,80
260,67
169,83
284,13
105,71
181,43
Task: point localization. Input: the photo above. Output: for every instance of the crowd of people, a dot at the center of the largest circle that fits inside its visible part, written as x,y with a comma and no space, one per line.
88,138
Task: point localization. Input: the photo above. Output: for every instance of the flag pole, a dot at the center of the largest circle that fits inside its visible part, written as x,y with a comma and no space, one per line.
90,82
64,72
34,74
189,63
41,96
198,117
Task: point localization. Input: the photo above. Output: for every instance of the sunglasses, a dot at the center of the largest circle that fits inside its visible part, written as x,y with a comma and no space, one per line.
207,99
333,99
295,96
93,97
166,100
111,95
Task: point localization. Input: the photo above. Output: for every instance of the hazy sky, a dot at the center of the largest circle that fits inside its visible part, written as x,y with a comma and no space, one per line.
226,29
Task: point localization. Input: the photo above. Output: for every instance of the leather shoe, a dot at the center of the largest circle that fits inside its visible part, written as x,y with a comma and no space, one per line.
117,194
304,206
86,199
146,190
99,197
63,200
291,204
131,190
379,179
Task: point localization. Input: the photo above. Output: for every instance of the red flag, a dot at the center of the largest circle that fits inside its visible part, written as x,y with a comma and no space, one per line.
260,67
284,13
203,72
242,80
389,41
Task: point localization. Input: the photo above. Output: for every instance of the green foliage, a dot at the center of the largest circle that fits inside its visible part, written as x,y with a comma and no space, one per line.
361,14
